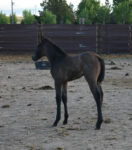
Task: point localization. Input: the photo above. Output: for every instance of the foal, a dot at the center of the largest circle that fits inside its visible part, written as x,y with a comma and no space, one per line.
66,68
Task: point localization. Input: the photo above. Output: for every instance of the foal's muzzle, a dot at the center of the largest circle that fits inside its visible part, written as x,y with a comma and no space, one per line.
34,58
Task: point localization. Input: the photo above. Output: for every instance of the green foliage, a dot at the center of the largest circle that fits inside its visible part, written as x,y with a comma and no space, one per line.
28,17
103,15
69,16
68,21
87,9
3,18
122,12
14,19
48,18
116,2
60,8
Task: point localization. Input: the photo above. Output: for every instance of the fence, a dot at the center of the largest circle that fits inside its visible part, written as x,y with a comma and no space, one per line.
71,38
18,38
116,39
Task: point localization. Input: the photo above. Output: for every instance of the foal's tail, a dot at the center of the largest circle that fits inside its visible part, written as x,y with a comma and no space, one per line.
102,72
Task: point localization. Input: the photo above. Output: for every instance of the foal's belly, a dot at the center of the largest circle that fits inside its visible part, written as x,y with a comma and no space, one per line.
74,75
74,71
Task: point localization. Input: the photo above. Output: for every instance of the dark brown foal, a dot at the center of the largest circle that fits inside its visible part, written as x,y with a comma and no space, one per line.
66,68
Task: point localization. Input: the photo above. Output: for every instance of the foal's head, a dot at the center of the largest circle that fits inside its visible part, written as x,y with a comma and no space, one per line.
40,51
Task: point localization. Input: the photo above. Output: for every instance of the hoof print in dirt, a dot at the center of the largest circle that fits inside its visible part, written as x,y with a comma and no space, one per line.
112,63
127,74
115,68
29,104
9,77
59,148
47,87
5,106
107,121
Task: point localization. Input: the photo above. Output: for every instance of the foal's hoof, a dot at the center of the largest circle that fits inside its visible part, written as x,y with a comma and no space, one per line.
64,122
54,124
97,128
98,125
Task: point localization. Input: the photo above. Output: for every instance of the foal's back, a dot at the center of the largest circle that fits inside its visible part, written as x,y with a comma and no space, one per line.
91,65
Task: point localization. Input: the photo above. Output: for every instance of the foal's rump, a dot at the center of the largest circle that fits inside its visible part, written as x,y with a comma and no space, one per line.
93,66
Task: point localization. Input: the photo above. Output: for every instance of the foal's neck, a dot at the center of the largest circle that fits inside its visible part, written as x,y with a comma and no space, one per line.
54,53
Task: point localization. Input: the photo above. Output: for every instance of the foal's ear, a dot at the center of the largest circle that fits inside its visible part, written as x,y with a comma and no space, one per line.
42,38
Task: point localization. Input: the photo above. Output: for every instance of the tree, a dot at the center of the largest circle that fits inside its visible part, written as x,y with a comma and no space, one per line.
116,2
48,18
28,17
107,3
3,18
69,17
60,8
103,15
14,19
122,12
87,9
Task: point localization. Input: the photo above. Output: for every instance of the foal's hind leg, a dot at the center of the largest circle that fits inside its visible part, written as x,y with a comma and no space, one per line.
101,93
97,96
64,99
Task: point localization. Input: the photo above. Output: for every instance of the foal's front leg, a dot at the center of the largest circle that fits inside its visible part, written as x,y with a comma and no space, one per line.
58,102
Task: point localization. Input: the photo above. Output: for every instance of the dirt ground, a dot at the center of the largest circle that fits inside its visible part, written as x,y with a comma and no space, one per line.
28,108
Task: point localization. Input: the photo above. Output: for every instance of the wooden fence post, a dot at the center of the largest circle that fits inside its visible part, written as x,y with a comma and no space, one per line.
98,38
130,39
39,33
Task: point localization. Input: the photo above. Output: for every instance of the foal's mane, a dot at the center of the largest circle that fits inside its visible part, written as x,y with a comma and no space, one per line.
57,48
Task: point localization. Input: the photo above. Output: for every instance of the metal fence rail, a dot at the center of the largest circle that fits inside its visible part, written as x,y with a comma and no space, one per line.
71,38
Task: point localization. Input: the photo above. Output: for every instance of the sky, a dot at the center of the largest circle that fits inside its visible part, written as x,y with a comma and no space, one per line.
33,5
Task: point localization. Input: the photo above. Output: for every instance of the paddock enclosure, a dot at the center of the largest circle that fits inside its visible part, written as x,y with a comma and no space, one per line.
72,38
27,95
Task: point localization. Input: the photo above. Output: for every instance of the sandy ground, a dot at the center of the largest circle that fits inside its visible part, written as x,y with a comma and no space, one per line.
28,109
